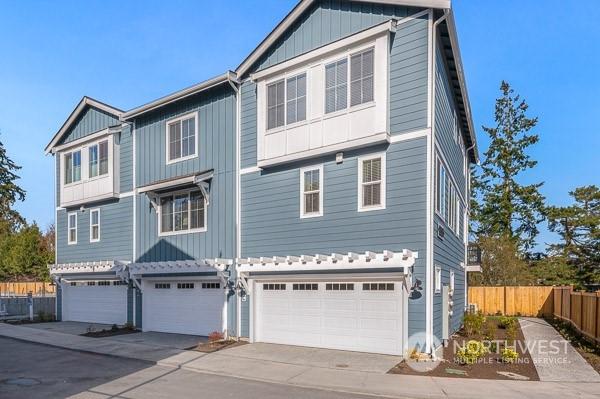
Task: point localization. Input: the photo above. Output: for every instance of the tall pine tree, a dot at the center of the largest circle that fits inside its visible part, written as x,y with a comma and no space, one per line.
503,207
10,192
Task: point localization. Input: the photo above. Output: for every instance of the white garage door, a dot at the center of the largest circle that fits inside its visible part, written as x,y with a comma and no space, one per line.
183,307
357,316
95,302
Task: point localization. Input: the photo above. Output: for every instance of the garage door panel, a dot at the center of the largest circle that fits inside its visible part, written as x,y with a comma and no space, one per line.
195,311
351,319
95,304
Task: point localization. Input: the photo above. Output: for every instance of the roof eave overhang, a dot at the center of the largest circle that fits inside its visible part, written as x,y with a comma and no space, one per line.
302,6
228,76
85,101
463,85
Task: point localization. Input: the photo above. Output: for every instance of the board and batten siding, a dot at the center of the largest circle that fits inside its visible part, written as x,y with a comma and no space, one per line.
91,121
271,223
216,136
126,159
248,127
116,224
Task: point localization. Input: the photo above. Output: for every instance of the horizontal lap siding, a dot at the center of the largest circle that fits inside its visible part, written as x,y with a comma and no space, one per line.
444,123
271,223
116,224
408,76
449,252
216,129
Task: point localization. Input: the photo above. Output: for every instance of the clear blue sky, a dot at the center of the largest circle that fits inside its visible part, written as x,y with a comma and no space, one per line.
128,53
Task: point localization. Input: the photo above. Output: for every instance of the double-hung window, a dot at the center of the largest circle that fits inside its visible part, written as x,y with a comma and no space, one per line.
183,212
276,104
94,225
72,228
72,162
371,179
296,99
181,138
441,203
98,159
311,191
361,77
336,85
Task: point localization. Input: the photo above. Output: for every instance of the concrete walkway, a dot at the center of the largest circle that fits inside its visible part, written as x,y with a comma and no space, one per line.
322,377
554,357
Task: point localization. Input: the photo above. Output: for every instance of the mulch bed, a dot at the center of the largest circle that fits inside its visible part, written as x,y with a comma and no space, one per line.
209,347
110,333
486,367
587,349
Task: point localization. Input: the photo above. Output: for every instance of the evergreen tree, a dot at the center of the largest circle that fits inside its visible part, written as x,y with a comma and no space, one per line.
578,226
10,192
503,207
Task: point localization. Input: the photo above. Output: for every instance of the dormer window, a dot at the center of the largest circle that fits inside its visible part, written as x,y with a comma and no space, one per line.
182,138
98,159
72,167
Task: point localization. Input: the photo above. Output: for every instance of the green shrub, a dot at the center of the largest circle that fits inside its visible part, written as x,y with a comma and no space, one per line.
511,333
509,355
471,352
473,323
489,331
114,328
507,321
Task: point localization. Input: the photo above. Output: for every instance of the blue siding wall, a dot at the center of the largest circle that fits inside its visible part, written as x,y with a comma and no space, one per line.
90,121
449,252
271,207
445,107
126,159
116,224
248,125
216,128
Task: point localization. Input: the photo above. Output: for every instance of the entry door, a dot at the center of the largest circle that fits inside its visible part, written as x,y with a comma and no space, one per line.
95,302
183,307
357,316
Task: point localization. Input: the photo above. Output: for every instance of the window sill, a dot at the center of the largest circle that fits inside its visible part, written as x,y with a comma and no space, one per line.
72,243
349,110
176,160
311,215
98,177
182,232
371,208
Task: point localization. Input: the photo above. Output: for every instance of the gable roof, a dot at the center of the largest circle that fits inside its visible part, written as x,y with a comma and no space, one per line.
78,111
178,95
451,52
304,5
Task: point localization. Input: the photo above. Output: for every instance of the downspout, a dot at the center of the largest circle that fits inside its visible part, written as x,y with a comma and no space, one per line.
238,245
466,227
431,156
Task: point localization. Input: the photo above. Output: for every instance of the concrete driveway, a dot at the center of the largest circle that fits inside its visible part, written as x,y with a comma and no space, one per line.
177,341
314,357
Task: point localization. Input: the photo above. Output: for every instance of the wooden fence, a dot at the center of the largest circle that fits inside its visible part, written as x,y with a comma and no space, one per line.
524,301
581,309
21,289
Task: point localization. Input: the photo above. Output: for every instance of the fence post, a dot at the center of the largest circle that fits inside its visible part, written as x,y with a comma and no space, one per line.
30,304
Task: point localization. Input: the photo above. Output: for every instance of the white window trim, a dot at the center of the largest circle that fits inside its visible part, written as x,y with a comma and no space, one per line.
291,74
452,282
69,227
89,172
437,280
454,200
179,232
362,208
304,215
349,107
64,168
196,136
91,237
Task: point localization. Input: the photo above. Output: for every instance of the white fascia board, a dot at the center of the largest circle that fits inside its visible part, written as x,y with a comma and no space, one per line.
189,91
352,40
85,101
86,139
182,266
462,81
302,6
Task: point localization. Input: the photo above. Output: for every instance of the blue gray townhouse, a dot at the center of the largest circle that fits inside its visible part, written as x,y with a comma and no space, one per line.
317,195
